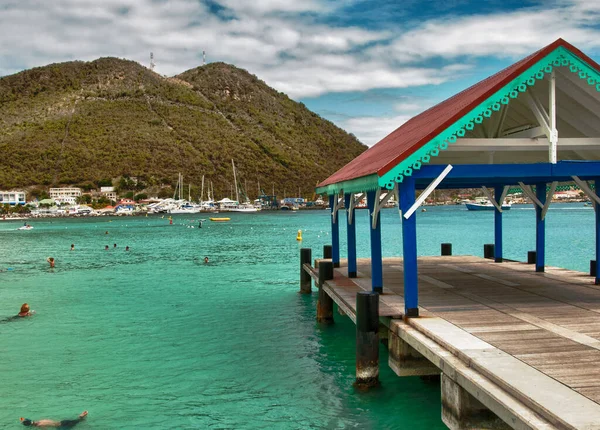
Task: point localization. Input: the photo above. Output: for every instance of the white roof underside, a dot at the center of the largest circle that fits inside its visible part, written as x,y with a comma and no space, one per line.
518,138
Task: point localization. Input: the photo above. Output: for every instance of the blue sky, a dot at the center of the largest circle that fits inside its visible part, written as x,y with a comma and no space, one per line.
366,65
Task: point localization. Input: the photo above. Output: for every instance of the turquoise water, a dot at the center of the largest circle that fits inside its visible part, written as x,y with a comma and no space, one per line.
154,338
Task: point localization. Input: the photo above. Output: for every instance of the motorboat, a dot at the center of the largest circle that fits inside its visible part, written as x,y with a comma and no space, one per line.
485,206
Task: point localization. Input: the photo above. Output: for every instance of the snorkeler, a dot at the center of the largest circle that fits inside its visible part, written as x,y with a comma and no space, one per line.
51,423
51,261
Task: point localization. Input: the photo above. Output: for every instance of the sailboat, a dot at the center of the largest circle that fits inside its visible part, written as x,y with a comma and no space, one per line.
243,207
182,206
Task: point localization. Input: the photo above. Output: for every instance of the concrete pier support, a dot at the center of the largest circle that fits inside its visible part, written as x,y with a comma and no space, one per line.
462,411
305,280
404,360
367,339
325,303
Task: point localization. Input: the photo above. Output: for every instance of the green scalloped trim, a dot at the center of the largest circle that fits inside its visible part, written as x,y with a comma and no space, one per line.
565,187
560,57
358,185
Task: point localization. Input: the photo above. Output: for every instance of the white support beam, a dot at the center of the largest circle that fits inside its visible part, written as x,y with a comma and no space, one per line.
539,113
386,198
531,133
427,191
587,189
488,194
353,200
553,138
529,193
549,198
336,208
524,144
504,193
500,125
376,209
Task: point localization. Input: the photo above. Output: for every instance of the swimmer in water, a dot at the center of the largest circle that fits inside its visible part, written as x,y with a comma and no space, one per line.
106,232
51,423
72,247
114,245
25,312
205,260
106,247
126,248
51,261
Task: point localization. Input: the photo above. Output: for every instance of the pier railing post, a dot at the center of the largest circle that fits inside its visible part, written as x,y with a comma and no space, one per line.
327,251
446,249
488,250
325,303
305,280
367,339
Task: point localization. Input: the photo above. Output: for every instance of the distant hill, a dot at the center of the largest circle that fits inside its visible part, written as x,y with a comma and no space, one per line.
78,123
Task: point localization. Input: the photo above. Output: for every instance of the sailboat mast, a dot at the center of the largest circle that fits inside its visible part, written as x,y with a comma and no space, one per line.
237,197
176,187
190,193
202,190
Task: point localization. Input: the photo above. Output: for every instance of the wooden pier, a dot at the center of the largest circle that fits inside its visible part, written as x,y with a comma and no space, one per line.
506,339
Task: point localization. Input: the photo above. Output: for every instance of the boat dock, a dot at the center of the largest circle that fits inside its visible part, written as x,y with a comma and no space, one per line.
515,348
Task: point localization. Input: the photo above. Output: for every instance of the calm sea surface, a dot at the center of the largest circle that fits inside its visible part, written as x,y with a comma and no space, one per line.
154,338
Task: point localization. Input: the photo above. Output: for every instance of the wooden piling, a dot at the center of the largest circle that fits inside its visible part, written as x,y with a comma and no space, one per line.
488,250
327,251
305,280
446,249
531,257
367,339
325,303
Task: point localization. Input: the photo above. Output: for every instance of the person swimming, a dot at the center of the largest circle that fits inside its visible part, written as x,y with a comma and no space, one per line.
51,423
114,245
106,247
25,312
205,260
51,261
126,248
72,247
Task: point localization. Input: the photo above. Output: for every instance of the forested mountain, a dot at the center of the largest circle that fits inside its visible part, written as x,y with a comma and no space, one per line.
79,123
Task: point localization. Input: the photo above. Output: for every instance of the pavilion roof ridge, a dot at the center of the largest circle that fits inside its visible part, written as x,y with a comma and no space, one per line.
414,143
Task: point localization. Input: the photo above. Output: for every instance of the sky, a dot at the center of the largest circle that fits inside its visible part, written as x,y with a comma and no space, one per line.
366,65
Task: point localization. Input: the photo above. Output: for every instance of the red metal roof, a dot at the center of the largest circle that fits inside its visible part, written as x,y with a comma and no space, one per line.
416,132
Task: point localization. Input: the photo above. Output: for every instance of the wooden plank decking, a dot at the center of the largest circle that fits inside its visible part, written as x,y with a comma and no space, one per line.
535,335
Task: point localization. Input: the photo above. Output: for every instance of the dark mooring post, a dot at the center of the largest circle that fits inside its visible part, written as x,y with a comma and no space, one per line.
446,249
305,281
531,257
488,250
593,268
327,251
367,339
325,303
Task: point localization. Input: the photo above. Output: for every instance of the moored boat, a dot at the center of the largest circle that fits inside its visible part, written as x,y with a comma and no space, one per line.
485,206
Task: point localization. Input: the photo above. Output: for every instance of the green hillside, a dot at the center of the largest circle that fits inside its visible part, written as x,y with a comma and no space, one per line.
78,123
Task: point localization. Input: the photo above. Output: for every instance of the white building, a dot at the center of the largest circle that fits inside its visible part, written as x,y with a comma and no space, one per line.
12,197
109,193
65,195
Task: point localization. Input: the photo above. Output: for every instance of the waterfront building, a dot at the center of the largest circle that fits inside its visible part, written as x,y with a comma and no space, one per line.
65,195
12,198
109,193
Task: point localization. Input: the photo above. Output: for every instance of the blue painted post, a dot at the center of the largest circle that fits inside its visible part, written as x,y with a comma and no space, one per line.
376,259
540,228
409,248
597,207
498,226
335,233
351,236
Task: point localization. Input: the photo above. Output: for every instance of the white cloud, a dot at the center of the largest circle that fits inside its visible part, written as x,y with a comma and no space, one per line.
371,129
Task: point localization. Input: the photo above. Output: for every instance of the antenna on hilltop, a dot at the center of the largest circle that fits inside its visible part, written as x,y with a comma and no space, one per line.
203,58
152,61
